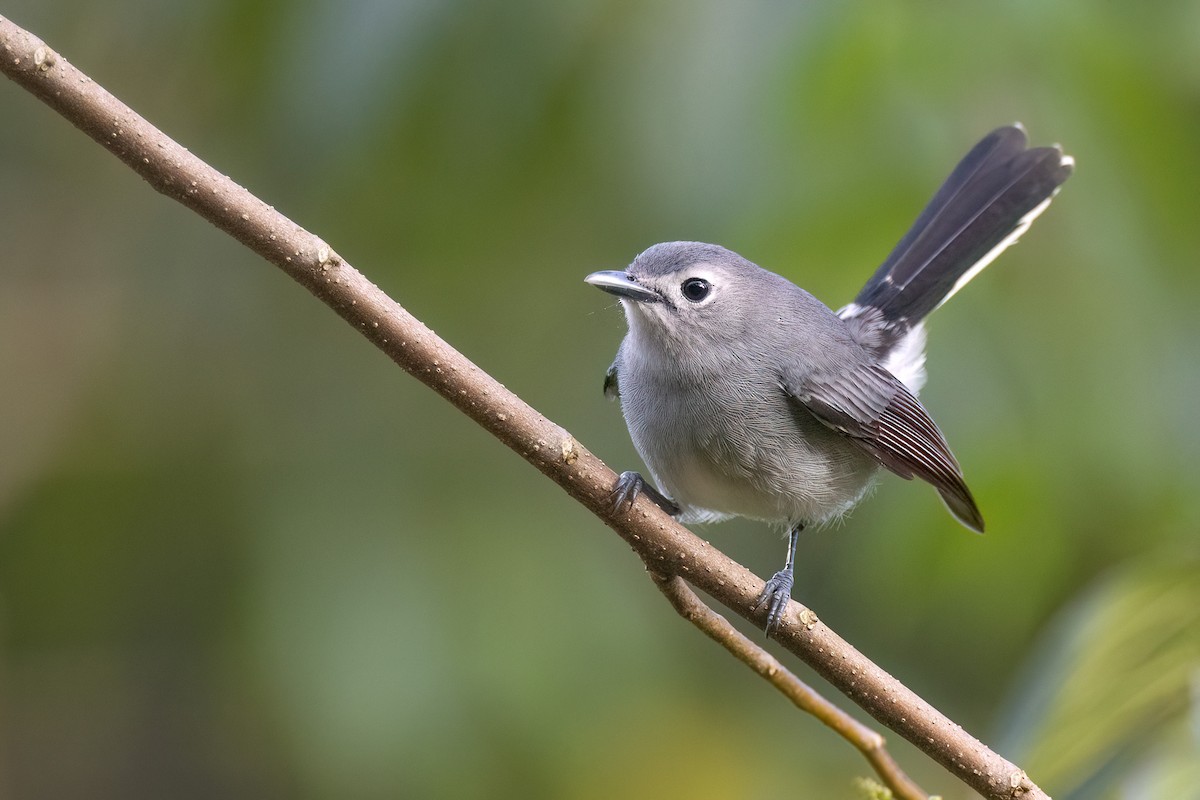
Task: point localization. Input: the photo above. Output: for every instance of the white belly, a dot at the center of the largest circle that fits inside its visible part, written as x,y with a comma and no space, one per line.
776,463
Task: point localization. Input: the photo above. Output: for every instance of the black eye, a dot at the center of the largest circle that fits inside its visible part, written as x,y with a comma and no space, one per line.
695,289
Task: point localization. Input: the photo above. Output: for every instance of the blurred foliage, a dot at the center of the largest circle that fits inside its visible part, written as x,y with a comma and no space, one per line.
1108,705
241,555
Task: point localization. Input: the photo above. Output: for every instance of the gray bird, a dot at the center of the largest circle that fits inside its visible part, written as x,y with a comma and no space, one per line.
746,396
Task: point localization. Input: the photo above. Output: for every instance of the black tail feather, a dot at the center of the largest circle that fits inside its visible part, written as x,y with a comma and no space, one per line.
986,203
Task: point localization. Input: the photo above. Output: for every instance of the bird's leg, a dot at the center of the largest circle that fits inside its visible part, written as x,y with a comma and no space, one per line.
778,592
630,484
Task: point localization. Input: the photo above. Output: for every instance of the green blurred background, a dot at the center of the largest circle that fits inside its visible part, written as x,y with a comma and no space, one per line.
243,555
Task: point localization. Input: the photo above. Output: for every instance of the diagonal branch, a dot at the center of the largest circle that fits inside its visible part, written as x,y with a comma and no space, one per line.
803,696
663,544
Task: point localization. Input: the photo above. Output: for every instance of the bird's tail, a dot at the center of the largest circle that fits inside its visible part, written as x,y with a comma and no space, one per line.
990,198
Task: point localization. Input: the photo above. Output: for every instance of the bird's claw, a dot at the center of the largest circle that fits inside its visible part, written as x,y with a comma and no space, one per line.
775,598
627,488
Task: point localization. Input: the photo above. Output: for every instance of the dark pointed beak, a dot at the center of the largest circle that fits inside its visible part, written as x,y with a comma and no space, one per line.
622,285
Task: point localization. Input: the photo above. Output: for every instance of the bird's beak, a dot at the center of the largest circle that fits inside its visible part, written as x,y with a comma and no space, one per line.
622,285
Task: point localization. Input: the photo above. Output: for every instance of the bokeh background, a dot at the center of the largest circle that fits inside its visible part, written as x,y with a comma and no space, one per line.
242,555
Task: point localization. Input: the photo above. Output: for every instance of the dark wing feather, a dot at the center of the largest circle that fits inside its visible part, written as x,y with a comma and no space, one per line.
876,412
612,389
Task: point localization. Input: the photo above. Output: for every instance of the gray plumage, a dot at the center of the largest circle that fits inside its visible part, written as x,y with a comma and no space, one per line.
747,396
703,391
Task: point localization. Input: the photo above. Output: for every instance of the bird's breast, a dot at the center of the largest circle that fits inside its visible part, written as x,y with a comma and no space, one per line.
729,442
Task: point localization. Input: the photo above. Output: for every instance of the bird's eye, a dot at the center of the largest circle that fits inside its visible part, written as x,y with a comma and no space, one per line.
695,289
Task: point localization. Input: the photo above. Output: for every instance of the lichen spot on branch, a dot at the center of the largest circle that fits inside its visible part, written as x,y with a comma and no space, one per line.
43,59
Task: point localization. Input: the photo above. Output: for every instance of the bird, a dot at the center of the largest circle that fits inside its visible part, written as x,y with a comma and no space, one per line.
746,396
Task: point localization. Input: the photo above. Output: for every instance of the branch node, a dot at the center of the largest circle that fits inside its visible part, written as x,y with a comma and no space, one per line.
44,58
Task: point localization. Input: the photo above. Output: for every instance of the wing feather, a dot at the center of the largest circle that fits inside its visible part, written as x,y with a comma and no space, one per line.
876,412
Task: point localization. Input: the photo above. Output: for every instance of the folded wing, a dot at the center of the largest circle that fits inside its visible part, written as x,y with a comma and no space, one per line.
874,410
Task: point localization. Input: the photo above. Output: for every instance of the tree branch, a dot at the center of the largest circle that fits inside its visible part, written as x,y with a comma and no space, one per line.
663,544
803,696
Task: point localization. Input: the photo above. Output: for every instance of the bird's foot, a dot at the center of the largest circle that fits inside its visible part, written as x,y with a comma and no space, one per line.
630,484
775,598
